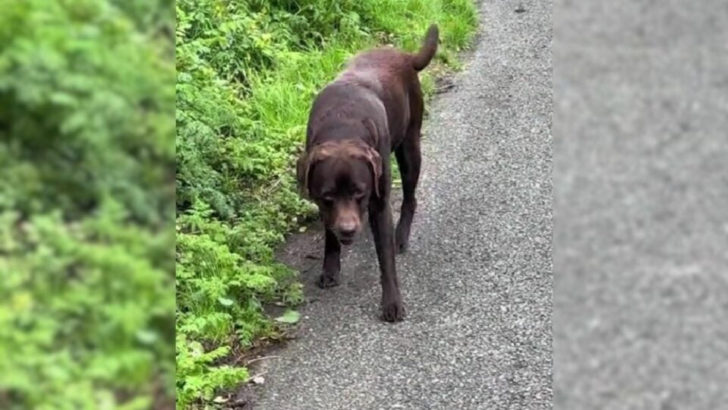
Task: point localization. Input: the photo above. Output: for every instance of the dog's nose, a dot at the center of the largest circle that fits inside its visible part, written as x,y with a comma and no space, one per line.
347,229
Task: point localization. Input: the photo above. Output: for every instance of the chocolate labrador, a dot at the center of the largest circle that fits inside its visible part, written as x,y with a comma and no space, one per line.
371,109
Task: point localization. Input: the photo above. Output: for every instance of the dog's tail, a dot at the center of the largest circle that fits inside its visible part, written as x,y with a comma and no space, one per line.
428,49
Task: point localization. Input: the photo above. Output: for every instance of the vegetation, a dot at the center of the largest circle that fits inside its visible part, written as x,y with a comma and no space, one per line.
86,214
246,74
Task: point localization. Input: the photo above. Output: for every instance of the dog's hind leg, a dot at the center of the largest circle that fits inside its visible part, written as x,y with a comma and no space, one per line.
409,160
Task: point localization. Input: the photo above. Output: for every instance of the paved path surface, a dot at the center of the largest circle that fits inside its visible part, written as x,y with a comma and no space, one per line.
641,205
477,280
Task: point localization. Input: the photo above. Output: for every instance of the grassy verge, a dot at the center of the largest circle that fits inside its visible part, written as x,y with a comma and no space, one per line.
247,73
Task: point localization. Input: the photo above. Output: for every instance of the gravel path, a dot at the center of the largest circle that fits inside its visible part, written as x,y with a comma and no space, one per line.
641,205
477,279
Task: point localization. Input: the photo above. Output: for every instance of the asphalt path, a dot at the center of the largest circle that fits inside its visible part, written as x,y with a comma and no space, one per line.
477,278
641,205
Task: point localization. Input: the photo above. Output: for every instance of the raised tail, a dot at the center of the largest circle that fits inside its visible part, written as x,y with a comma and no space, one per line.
428,49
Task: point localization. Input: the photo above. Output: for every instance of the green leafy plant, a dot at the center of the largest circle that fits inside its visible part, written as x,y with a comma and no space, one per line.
202,377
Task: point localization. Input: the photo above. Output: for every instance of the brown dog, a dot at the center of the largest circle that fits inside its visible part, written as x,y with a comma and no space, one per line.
374,107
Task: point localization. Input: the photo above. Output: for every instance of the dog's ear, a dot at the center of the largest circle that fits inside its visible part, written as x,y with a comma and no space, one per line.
303,165
306,161
372,155
375,162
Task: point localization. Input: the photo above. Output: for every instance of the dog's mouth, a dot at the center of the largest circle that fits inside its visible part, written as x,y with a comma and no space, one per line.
346,241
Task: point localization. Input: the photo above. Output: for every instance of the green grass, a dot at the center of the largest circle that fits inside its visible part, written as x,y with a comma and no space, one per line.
247,74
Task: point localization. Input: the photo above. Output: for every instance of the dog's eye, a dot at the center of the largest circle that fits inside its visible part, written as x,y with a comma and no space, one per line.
328,201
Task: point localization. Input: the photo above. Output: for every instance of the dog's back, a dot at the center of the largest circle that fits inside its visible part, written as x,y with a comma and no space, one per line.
388,74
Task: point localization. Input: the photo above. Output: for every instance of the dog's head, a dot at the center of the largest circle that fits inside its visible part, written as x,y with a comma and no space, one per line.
341,177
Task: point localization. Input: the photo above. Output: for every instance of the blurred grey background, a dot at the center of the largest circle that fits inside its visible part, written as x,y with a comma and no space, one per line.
641,200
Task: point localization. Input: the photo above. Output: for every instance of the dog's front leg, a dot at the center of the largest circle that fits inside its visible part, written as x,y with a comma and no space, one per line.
332,262
380,219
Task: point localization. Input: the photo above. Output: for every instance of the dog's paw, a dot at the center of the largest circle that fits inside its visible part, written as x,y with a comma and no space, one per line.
400,246
401,240
327,281
393,311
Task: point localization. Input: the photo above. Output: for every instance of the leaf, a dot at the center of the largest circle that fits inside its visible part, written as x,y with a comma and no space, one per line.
290,317
225,301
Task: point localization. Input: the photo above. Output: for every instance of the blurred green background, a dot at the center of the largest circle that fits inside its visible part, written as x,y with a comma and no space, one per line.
87,204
